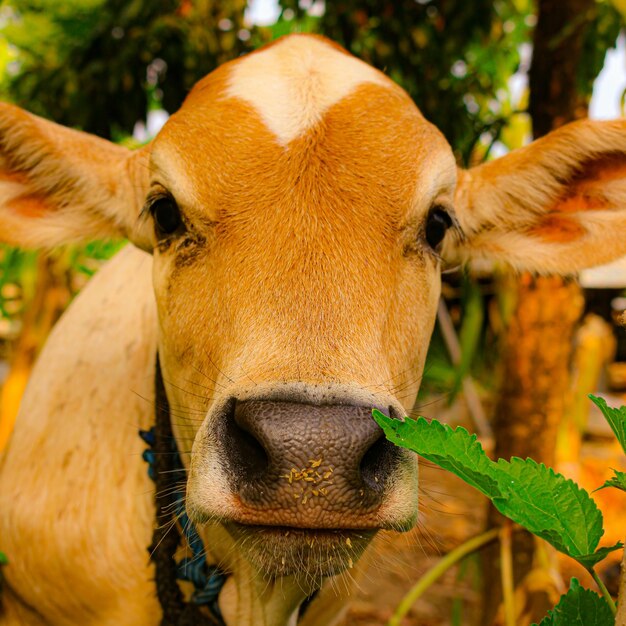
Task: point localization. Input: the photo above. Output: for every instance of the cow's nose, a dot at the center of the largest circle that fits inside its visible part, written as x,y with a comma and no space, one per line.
301,459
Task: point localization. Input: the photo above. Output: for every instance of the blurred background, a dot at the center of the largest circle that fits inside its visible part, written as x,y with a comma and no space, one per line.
513,357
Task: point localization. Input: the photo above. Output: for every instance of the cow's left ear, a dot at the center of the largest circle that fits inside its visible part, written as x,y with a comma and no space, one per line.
555,206
59,185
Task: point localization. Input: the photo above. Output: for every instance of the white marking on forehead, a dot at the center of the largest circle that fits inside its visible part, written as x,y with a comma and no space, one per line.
293,83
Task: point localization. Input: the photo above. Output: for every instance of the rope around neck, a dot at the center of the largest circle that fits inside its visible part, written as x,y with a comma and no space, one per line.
167,471
165,468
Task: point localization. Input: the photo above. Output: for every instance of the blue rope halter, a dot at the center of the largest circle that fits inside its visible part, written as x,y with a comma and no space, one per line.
207,580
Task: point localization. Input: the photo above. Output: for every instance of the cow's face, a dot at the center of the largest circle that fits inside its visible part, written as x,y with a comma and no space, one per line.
296,206
296,271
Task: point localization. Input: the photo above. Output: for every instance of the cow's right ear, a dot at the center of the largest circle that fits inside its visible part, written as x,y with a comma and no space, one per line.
59,185
557,205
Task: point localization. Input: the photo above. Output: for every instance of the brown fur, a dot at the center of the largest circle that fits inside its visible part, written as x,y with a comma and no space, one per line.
304,266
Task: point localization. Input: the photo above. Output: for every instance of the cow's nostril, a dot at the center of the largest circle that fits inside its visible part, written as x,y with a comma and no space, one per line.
378,463
247,453
300,458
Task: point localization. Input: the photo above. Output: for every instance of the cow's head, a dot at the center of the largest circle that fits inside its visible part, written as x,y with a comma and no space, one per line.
297,207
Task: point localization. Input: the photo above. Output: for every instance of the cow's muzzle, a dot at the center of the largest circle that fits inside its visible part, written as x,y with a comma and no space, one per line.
300,465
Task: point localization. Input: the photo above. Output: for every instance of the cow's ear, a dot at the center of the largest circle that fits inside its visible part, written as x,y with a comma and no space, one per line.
554,206
59,185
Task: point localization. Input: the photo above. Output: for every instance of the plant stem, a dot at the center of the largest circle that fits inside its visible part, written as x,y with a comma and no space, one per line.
604,590
506,573
620,617
440,568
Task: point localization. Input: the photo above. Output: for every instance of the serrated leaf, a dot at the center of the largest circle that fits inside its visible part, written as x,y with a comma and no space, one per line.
532,495
618,481
550,506
615,417
452,449
579,607
590,560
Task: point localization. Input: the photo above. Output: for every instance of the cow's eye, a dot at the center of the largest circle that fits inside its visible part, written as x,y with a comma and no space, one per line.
437,223
166,215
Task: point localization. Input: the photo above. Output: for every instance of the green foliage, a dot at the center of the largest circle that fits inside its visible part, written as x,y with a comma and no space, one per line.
602,35
470,333
91,63
530,494
553,508
452,449
618,481
88,258
579,607
18,272
617,421
615,417
439,374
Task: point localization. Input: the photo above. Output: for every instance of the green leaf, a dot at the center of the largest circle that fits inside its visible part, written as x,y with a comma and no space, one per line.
590,560
3,559
452,449
615,417
579,607
618,481
552,507
532,495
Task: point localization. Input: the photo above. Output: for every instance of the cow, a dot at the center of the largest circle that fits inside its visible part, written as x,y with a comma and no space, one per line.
287,228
